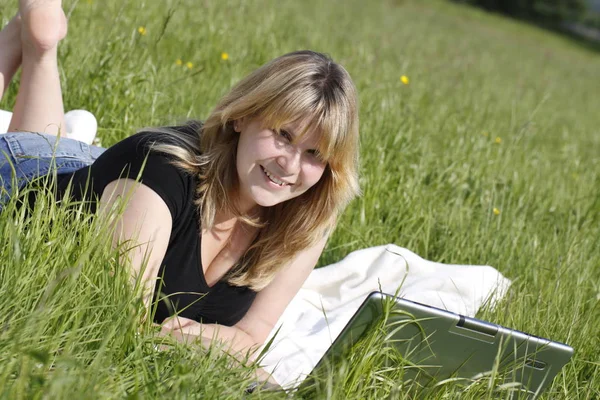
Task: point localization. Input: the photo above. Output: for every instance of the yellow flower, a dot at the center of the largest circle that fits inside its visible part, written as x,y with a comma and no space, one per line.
485,134
404,79
189,65
496,211
89,1
178,62
224,56
142,31
498,140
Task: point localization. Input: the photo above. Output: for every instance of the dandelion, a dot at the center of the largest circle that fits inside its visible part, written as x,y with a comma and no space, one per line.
142,31
179,62
498,140
224,56
404,79
485,134
89,2
496,211
189,65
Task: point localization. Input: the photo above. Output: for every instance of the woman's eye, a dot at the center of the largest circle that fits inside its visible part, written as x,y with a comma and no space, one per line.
316,154
285,134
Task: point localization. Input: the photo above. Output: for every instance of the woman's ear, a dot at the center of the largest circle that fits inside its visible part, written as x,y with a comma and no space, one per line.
238,124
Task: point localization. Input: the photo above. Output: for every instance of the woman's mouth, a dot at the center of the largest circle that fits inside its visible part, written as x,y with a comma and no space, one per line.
273,178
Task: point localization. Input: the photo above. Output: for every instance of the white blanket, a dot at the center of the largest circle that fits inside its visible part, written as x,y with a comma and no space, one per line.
333,293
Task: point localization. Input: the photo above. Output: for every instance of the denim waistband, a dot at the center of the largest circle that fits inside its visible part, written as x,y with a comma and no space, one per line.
25,156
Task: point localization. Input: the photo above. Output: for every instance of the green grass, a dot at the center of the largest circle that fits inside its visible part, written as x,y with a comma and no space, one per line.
432,174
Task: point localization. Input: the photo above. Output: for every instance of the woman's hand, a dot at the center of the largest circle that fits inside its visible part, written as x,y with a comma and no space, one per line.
231,339
179,323
187,331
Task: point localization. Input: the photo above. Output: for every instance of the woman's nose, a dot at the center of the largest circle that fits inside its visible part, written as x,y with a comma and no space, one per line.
291,160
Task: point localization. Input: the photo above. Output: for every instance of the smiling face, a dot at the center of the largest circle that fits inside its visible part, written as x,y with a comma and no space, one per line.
275,166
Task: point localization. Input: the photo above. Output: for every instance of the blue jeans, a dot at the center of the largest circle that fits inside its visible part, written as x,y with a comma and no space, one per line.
25,156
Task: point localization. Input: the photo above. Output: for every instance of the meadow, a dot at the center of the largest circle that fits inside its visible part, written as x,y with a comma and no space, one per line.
480,144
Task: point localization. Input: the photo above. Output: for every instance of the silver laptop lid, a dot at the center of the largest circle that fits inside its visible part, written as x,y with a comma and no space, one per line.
441,346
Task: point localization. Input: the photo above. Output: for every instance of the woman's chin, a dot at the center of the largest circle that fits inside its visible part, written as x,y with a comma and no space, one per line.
267,202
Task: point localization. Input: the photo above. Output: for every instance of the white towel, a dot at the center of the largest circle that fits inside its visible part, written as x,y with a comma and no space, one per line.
332,294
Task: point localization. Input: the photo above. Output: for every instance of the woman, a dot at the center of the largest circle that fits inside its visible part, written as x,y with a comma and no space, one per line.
224,220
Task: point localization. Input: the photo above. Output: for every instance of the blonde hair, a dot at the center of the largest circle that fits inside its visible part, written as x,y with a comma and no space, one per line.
299,86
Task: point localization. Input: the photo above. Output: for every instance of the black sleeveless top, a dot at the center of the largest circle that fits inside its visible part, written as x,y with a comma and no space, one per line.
182,286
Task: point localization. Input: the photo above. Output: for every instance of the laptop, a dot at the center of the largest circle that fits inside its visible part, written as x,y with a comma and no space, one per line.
434,347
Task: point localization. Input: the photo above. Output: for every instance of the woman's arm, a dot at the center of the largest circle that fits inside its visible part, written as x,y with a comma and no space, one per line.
144,227
271,302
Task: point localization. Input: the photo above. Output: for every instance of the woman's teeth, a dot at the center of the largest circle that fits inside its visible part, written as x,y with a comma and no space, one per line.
272,178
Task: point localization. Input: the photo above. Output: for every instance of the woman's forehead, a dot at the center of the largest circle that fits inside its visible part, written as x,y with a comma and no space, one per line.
306,130
299,126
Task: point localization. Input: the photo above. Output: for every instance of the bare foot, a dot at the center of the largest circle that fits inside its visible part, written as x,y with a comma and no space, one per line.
10,43
15,23
12,32
44,24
